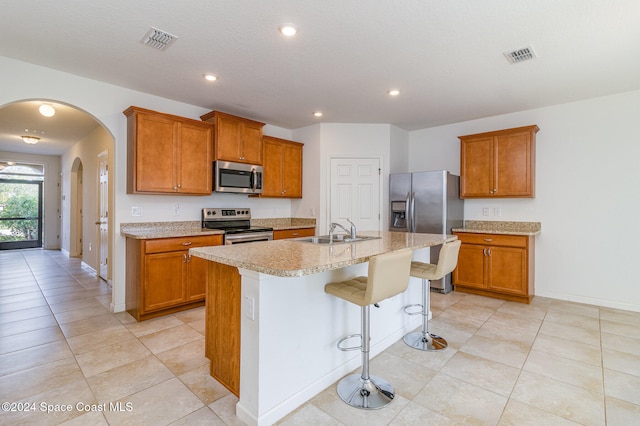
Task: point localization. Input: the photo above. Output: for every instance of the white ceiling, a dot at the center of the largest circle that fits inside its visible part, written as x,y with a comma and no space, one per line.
446,57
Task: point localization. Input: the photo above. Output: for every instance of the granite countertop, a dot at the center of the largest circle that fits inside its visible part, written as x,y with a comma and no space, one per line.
284,223
149,230
295,258
501,227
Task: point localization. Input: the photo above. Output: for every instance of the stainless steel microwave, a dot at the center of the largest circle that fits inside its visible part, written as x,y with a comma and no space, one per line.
237,177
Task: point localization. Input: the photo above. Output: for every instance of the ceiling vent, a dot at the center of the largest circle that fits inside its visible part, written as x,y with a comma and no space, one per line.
520,55
158,39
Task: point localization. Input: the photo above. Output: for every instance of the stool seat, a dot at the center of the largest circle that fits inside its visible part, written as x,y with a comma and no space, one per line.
426,271
423,340
352,290
388,275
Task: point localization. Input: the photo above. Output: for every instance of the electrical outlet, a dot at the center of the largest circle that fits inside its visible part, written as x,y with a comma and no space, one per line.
176,210
136,211
497,211
90,246
248,307
485,211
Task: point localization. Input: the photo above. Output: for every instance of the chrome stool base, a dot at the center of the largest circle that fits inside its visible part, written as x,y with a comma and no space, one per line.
366,394
425,341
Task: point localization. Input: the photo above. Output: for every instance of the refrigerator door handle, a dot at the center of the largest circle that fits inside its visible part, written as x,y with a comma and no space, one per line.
413,212
407,211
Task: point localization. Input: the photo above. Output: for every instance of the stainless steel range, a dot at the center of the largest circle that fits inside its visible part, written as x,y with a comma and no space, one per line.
236,224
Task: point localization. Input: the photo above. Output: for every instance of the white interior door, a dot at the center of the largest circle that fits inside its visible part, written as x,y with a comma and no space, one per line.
355,192
103,201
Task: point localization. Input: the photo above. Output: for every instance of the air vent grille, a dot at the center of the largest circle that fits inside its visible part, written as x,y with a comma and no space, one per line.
520,55
158,39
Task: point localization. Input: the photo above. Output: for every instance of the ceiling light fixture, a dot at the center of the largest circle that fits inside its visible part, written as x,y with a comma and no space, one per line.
317,114
31,140
288,30
393,92
47,110
210,77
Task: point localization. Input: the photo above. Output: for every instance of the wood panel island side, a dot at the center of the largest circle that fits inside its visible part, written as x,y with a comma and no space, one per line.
271,331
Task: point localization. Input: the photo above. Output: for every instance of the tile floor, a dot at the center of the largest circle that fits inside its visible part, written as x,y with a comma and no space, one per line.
550,362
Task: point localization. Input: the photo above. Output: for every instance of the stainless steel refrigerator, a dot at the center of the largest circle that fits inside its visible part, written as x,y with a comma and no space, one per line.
426,202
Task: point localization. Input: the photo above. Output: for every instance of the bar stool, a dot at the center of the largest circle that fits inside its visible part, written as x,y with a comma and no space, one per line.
423,340
388,275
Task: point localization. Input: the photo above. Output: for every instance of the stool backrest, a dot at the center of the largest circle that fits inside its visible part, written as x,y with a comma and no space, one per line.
388,275
448,258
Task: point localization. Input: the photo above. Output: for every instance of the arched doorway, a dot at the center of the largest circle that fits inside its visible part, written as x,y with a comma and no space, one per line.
68,148
75,210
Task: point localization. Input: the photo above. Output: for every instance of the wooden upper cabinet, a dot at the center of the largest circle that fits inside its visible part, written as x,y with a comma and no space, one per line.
236,139
282,168
498,164
167,154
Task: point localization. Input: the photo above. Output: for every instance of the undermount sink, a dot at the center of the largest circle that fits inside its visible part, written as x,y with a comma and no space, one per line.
337,239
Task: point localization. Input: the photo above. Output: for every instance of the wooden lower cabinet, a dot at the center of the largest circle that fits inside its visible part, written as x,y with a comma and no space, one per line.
281,234
222,326
163,278
496,265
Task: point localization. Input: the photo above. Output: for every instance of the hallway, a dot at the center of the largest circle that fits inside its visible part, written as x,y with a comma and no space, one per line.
551,362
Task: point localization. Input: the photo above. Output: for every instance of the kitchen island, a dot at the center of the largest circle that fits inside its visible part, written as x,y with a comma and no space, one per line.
288,327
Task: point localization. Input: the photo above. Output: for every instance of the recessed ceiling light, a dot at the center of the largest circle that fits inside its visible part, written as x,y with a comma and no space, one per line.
210,77
288,30
393,92
317,114
47,110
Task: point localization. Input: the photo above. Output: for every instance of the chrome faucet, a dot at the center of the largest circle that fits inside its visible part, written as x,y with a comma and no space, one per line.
351,232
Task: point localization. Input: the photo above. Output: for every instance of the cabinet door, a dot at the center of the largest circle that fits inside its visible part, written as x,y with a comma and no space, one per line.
507,270
272,178
196,278
164,280
513,165
154,154
476,158
228,138
471,264
251,148
292,170
194,159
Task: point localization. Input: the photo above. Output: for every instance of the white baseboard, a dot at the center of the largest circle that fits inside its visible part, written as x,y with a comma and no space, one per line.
590,301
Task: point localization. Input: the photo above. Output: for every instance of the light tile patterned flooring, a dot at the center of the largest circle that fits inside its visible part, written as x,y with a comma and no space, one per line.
550,362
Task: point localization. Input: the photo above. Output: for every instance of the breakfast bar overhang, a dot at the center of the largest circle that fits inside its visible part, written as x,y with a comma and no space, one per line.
289,327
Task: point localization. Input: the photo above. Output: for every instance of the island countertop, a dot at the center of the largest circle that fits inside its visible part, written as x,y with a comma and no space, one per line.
295,258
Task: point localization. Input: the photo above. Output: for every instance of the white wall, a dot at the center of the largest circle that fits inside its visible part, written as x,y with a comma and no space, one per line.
328,140
51,193
106,102
86,151
587,195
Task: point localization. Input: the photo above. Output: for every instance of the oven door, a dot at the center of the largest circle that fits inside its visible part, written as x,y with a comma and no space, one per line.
237,178
247,237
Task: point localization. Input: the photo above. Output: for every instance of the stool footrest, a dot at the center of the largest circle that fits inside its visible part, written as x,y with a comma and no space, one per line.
415,305
349,348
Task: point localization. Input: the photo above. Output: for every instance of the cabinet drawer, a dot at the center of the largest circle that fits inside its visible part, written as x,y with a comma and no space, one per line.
293,233
493,239
181,243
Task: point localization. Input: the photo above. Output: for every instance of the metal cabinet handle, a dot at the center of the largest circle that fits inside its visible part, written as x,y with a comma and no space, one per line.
189,259
489,251
188,243
184,258
488,239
